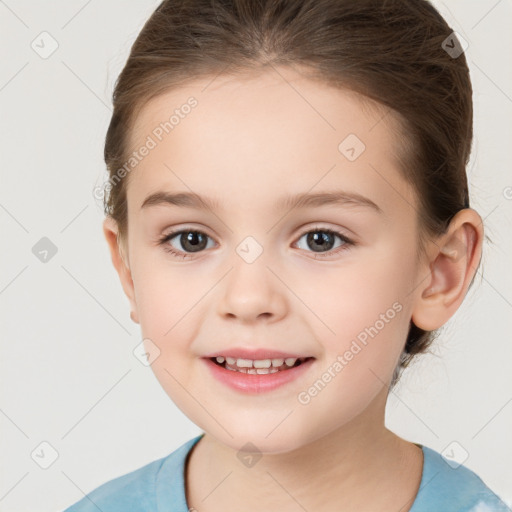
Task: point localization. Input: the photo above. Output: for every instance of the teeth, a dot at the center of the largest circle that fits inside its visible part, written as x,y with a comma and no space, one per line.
265,371
259,363
258,366
254,371
244,363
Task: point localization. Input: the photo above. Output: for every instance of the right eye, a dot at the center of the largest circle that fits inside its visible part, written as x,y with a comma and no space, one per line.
190,241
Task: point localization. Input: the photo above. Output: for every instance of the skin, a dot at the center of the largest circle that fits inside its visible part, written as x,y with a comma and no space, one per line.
250,141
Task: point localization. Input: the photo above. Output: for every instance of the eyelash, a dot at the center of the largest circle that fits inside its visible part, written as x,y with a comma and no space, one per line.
179,254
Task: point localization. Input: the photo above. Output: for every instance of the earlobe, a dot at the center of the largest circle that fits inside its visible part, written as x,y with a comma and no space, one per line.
121,263
456,256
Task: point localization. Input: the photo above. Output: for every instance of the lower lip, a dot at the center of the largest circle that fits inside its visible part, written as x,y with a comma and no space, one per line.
254,383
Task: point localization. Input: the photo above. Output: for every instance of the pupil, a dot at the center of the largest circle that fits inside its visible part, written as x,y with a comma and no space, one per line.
324,238
190,239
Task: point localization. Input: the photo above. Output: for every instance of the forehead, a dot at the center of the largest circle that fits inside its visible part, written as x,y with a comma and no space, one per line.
286,94
273,131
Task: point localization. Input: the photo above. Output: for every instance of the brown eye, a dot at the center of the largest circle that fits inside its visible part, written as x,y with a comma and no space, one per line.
322,240
192,241
186,242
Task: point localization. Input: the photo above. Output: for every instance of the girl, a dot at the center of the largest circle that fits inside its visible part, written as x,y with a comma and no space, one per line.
289,216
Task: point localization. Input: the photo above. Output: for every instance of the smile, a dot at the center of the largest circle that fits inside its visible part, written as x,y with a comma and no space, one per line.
257,375
258,366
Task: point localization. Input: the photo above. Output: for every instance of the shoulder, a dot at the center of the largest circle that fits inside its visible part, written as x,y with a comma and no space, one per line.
129,490
146,489
446,485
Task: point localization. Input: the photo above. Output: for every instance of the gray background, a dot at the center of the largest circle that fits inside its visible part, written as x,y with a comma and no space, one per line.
68,374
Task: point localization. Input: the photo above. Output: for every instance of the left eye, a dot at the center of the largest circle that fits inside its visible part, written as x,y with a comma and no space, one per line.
322,240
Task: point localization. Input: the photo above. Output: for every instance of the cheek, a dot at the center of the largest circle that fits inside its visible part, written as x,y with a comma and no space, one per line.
166,297
364,311
370,325
168,302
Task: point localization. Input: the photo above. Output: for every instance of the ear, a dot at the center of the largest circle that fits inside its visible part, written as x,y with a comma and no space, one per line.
120,261
454,259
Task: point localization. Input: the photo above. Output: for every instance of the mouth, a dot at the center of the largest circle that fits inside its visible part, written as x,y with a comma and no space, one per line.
255,376
260,366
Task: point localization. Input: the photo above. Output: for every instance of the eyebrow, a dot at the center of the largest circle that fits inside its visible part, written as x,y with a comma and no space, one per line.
302,200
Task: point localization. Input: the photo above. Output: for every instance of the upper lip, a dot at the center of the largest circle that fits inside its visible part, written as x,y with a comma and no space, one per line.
255,354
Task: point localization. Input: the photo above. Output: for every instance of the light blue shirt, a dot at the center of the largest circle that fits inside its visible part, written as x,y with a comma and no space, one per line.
160,487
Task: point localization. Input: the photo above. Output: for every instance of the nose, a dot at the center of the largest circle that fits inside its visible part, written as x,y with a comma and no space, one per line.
251,292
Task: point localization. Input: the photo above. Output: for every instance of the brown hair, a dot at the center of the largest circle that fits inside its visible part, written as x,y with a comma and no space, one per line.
392,52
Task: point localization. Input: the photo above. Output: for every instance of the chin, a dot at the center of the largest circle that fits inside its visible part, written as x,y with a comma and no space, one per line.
260,438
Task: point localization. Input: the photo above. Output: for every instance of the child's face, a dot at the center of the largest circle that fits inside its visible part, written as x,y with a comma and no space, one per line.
248,145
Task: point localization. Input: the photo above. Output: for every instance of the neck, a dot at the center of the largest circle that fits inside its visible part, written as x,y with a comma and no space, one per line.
356,466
